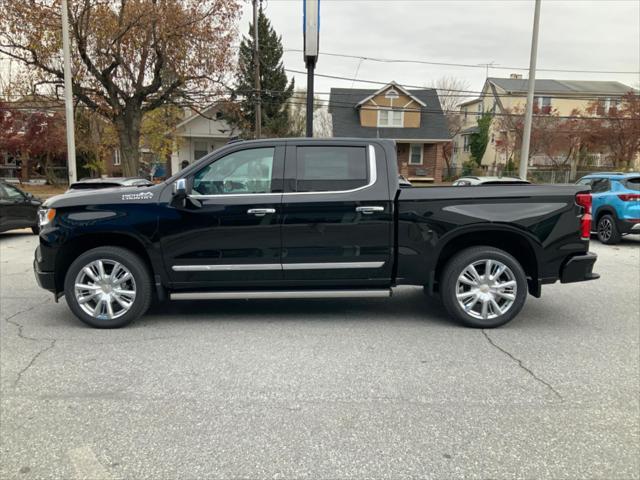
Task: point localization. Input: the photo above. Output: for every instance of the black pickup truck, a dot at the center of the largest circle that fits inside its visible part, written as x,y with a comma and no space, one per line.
310,218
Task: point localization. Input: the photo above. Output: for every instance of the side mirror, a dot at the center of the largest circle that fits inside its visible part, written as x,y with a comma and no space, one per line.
180,188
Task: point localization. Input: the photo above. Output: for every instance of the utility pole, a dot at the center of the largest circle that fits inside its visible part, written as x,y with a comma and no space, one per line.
528,117
256,72
68,95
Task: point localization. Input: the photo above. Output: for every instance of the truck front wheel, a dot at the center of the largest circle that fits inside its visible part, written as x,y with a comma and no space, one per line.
108,287
483,287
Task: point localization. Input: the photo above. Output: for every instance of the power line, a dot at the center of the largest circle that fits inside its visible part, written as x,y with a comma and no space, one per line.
479,94
351,107
465,65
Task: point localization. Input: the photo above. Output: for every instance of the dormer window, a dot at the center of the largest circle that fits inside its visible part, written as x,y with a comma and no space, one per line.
390,118
391,94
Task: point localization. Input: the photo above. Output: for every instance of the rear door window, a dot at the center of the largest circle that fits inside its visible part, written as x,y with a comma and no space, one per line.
327,169
600,185
13,193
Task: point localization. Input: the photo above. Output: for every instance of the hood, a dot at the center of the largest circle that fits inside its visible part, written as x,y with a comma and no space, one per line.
106,196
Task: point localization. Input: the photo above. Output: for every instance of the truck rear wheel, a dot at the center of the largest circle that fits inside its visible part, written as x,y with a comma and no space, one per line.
483,287
108,287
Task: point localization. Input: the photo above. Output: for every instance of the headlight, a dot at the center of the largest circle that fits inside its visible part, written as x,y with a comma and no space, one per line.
45,216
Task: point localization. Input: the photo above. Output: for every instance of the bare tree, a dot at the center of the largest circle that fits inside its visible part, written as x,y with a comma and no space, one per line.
451,92
130,56
298,116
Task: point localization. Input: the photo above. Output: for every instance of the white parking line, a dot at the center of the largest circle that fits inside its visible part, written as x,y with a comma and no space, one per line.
86,465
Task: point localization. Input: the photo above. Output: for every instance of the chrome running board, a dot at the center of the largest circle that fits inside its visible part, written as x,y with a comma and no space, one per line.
256,294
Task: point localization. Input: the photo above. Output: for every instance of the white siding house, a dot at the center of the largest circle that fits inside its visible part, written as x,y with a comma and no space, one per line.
198,135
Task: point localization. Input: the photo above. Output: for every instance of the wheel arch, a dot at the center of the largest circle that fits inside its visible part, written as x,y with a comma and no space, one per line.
514,242
604,210
83,243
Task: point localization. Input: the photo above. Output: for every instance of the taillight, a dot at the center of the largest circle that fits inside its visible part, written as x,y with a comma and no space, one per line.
629,197
584,200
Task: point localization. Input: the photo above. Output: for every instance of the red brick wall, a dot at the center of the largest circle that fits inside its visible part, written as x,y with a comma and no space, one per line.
432,161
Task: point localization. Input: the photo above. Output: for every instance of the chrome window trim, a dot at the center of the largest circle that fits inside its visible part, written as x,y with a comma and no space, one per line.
227,195
373,177
276,266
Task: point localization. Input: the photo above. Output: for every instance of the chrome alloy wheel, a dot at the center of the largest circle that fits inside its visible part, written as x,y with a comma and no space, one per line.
605,229
486,289
105,289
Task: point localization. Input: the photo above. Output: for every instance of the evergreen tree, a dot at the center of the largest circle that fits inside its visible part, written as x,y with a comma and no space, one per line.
480,139
276,90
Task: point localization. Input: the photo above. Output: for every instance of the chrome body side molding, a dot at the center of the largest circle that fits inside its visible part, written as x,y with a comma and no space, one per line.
271,294
276,266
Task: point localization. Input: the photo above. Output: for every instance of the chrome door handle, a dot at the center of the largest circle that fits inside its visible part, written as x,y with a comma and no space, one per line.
369,210
260,212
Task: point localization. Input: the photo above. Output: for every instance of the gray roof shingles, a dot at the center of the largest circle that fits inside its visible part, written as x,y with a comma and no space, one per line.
562,86
346,118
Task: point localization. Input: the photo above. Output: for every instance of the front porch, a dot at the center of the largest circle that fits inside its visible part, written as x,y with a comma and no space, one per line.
420,161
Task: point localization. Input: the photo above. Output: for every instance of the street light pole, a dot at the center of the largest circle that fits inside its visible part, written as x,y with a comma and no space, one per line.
68,95
528,118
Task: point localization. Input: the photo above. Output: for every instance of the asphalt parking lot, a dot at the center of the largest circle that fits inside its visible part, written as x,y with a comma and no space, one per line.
323,389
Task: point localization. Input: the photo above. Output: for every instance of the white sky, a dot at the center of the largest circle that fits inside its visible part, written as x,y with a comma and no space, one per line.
574,35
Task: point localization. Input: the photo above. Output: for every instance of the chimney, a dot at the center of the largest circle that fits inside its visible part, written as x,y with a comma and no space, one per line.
516,76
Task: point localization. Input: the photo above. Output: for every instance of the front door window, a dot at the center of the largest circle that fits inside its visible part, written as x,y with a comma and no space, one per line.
242,172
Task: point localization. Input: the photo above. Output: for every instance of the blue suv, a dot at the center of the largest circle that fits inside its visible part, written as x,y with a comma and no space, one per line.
616,204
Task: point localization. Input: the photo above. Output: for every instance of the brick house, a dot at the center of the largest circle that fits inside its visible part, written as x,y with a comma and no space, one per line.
413,118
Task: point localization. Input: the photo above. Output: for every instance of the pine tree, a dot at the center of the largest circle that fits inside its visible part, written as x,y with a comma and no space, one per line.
276,90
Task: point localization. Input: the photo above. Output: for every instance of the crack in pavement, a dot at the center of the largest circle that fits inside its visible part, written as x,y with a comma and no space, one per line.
20,326
32,362
522,366
52,341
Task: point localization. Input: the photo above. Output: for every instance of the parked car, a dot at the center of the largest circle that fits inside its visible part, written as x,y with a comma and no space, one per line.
472,180
616,204
310,218
109,182
18,209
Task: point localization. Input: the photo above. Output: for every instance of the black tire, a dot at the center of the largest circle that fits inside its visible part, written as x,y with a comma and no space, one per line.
455,267
607,230
139,272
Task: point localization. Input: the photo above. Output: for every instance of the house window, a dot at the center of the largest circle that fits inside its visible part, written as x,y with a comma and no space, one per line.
480,105
467,141
199,150
542,104
611,105
415,154
390,118
465,112
116,158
